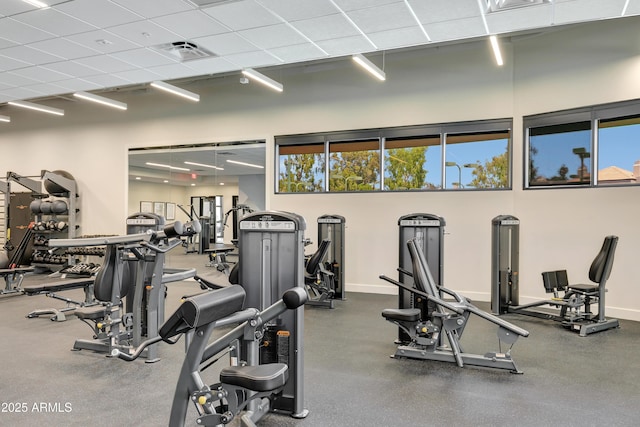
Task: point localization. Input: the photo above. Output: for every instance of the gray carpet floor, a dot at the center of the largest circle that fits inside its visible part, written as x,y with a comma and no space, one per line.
349,380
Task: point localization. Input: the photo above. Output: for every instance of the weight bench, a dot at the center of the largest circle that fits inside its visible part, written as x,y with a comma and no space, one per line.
218,256
50,289
13,278
445,318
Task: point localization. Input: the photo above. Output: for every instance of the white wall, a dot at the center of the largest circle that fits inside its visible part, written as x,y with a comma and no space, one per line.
588,64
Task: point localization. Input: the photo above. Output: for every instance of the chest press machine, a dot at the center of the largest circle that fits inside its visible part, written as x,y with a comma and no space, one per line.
445,318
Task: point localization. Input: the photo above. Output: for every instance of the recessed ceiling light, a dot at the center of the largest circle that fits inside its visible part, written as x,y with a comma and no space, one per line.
235,162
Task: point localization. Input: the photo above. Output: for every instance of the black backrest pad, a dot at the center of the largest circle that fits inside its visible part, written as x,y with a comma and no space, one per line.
203,309
314,261
601,265
420,270
108,277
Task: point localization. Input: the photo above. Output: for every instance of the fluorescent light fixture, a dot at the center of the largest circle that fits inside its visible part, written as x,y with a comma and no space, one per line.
370,67
245,164
496,49
161,165
5,119
37,3
176,91
37,107
261,78
204,166
101,100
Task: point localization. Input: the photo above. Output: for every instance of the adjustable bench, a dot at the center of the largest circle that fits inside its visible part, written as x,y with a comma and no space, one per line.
11,275
50,288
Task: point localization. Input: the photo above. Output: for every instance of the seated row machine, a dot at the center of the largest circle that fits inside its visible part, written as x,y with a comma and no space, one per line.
445,318
245,390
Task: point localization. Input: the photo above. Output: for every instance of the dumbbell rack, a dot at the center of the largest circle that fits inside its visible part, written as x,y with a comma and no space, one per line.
48,225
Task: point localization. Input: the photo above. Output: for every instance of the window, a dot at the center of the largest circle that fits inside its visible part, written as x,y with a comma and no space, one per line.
560,154
412,163
619,150
407,158
301,168
354,165
477,160
585,147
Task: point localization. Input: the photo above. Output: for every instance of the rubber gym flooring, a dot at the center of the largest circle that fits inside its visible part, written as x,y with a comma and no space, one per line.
350,380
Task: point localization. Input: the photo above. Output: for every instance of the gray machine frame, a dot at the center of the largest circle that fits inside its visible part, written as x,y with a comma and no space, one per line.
271,260
572,309
332,227
428,232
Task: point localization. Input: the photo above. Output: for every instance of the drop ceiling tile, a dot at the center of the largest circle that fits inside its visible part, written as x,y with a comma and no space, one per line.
211,66
272,36
519,19
253,59
326,27
295,10
105,64
43,74
398,38
143,58
6,43
72,68
584,10
139,75
8,8
16,93
456,30
48,89
64,48
54,21
444,10
633,8
30,55
153,8
102,14
20,33
173,71
144,33
7,64
225,44
299,53
107,80
103,41
381,18
191,24
15,79
242,15
347,5
74,85
345,45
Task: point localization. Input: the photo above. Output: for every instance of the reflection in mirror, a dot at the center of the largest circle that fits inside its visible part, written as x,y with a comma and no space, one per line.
205,182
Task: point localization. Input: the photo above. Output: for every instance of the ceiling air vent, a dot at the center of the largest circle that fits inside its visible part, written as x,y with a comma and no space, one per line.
208,3
185,50
498,5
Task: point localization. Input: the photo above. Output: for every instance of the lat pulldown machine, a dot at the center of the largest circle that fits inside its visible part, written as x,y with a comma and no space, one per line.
573,308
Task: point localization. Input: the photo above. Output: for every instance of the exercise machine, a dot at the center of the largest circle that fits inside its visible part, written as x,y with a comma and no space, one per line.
445,318
131,285
428,232
271,259
572,308
319,281
332,228
246,390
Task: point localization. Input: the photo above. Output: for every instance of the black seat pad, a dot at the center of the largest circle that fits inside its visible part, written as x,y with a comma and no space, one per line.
587,287
265,377
94,312
61,285
402,314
